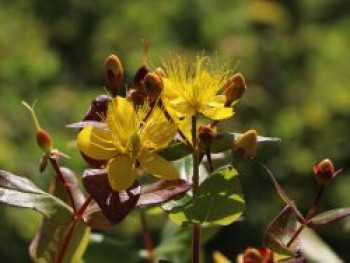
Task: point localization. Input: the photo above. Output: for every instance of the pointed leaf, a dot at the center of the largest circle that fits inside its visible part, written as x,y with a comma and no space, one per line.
175,151
48,241
162,191
219,200
21,192
280,231
331,216
283,195
115,205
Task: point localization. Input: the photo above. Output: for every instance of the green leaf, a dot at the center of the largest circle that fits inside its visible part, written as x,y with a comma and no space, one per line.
280,231
48,242
315,249
176,150
21,192
219,200
331,216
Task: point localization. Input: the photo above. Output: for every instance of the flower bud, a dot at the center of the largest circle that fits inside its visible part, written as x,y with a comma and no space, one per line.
44,140
153,85
206,134
247,144
160,72
324,170
140,75
260,255
98,108
113,73
234,88
136,96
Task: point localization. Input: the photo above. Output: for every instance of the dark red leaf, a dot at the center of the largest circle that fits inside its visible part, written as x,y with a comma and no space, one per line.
115,205
162,191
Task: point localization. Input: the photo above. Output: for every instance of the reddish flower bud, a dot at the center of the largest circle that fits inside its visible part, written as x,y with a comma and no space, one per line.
140,75
153,85
234,88
260,255
113,73
136,96
206,134
324,170
44,140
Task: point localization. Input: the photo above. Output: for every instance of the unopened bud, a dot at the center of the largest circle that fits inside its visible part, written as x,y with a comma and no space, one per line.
136,96
113,73
160,72
44,140
206,134
324,170
153,85
140,75
247,144
234,88
254,255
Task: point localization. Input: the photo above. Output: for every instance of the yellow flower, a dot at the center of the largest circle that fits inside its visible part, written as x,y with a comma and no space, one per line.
128,144
193,88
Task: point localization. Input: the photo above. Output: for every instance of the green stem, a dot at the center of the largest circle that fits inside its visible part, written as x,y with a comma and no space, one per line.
196,231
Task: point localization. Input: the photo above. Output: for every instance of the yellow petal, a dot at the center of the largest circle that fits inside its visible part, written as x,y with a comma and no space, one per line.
157,166
217,113
121,172
96,143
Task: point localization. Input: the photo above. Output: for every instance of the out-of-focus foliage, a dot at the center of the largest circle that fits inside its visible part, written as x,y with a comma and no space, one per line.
294,54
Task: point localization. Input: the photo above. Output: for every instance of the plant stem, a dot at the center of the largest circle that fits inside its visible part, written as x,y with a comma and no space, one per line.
84,206
309,215
196,231
66,242
56,167
147,239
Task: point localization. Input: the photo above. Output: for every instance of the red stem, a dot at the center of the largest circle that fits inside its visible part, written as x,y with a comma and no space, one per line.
84,206
56,167
66,242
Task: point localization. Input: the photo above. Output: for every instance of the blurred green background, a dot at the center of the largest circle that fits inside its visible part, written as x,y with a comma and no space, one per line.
294,54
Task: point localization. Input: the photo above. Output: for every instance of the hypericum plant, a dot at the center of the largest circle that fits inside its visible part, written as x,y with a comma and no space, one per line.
168,117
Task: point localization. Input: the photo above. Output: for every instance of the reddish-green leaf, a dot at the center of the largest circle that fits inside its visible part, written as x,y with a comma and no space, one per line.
162,191
331,216
21,192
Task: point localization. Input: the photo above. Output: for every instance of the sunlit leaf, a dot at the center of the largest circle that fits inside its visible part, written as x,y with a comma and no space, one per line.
21,192
219,200
115,205
331,216
315,249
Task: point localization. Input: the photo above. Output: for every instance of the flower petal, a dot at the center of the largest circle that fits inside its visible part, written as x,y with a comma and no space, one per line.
96,143
157,166
217,113
121,172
